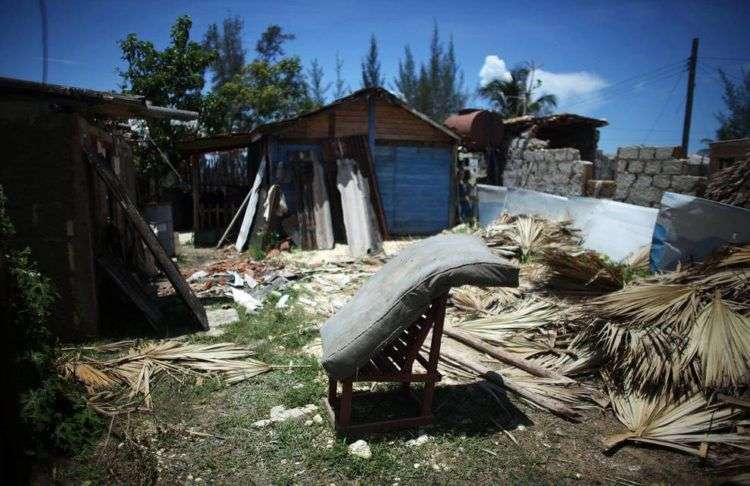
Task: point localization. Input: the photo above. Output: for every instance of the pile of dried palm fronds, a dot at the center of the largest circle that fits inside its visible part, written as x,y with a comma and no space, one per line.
580,271
525,237
123,383
668,343
731,185
679,330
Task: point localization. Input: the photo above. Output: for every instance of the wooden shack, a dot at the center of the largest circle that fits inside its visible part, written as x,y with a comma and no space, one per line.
725,153
59,146
413,157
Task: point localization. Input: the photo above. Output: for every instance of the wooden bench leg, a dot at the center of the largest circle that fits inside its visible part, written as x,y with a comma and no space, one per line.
332,384
345,407
429,393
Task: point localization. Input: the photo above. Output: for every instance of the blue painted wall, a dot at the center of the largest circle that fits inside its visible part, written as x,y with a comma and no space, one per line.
415,186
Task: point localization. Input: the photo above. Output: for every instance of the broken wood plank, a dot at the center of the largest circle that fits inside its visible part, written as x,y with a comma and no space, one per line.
120,197
252,205
234,220
362,233
504,356
321,207
127,283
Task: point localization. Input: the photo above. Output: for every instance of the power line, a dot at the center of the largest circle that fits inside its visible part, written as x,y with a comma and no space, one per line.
663,109
627,90
647,75
726,59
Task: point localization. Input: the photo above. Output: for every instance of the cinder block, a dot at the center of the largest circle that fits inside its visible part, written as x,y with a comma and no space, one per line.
662,181
666,153
652,167
628,153
635,166
647,153
672,167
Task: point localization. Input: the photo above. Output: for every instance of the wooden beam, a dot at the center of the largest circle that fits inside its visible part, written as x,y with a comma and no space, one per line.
195,176
504,356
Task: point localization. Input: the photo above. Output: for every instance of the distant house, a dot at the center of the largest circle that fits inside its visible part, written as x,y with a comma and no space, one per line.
724,153
413,158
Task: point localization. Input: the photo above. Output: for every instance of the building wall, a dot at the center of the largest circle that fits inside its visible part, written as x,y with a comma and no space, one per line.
49,202
555,171
644,173
415,187
391,123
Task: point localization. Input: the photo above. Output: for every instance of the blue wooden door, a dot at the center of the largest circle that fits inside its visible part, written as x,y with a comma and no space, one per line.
415,186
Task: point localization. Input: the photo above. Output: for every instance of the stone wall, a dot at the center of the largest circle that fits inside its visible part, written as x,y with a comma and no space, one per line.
644,173
555,171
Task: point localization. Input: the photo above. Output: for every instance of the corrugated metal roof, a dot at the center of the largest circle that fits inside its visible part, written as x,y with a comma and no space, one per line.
557,119
88,100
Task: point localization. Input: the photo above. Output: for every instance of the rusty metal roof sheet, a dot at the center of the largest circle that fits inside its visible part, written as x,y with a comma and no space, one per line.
556,119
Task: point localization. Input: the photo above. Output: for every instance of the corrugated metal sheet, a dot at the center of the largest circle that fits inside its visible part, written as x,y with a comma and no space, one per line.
415,186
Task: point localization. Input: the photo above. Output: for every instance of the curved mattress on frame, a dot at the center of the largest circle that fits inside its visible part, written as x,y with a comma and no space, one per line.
401,291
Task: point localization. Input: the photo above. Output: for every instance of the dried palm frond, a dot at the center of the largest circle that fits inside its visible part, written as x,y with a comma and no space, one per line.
136,369
472,300
720,338
736,255
673,305
683,425
531,314
566,392
640,259
528,236
87,374
581,270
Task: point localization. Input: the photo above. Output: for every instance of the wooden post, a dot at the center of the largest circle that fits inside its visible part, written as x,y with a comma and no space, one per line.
196,183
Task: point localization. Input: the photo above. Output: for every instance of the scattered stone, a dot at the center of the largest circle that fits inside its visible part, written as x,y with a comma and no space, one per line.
218,318
317,419
422,439
281,414
360,449
282,303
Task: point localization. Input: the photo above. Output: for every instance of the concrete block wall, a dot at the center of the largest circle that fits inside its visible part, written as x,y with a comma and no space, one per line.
555,171
644,173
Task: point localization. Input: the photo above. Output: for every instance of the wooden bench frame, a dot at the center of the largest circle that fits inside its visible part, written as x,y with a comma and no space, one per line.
394,364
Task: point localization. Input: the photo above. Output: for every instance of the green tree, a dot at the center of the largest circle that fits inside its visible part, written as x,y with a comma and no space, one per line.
271,42
268,89
407,81
340,89
173,77
735,123
318,88
229,54
438,88
371,66
515,96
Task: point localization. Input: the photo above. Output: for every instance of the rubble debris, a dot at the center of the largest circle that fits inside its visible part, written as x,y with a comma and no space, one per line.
279,413
247,301
360,449
197,276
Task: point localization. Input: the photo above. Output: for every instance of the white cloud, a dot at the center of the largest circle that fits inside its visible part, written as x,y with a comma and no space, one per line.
579,90
494,68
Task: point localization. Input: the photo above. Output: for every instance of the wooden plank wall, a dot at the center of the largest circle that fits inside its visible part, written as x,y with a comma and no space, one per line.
392,123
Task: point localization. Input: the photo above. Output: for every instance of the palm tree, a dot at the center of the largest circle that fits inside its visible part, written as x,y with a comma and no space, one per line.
515,97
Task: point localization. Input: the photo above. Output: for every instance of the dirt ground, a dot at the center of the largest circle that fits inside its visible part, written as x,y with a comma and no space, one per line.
202,431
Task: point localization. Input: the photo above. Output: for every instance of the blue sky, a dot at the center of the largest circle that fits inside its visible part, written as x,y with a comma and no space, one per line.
616,60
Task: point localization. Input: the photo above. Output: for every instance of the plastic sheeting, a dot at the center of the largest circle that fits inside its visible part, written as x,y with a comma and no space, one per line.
690,228
613,228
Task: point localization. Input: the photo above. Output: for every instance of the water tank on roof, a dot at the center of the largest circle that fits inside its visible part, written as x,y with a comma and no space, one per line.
477,128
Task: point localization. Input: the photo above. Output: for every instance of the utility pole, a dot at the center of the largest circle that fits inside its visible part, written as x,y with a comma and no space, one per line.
689,100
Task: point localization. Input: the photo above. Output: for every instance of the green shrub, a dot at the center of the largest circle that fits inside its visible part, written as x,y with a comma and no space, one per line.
53,412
